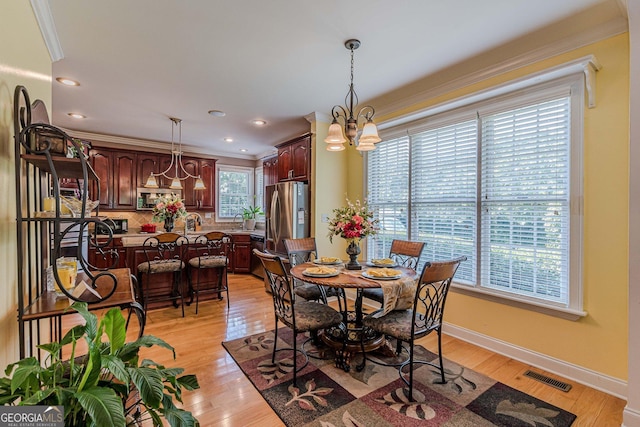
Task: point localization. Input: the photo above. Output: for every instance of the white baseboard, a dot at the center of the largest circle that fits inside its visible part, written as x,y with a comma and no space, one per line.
593,379
630,417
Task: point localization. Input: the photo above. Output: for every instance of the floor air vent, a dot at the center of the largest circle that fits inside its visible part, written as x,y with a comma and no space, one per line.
548,380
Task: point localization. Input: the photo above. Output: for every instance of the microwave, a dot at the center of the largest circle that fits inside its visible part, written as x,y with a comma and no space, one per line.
117,226
148,197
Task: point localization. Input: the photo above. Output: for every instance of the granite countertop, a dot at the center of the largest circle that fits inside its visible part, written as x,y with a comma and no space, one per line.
134,238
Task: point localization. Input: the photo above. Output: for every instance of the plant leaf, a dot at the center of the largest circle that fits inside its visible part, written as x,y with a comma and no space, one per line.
26,377
189,382
91,320
115,366
114,327
74,334
92,369
103,406
180,418
130,350
149,384
38,397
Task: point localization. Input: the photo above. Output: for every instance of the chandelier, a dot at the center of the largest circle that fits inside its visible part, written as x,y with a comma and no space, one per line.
176,164
369,136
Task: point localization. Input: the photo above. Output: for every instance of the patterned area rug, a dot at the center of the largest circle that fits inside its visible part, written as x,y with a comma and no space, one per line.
328,396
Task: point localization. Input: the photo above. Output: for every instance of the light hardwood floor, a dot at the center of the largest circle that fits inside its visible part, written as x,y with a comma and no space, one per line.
227,398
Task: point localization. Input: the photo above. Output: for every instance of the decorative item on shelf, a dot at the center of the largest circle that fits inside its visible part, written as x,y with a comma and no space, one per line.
167,209
80,146
176,164
369,136
353,223
249,216
75,206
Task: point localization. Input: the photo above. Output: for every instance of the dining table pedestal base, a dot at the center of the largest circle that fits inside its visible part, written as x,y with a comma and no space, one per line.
345,341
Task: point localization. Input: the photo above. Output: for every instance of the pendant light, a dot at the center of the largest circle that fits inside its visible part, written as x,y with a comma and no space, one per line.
176,164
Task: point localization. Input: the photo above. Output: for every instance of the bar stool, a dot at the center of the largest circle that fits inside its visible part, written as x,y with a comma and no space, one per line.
211,254
164,253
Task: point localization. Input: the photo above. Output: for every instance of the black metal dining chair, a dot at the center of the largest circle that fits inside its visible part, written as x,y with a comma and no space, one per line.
303,250
300,316
424,318
164,253
405,253
209,253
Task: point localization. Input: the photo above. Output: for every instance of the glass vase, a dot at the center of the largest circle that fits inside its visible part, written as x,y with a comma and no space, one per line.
168,224
353,250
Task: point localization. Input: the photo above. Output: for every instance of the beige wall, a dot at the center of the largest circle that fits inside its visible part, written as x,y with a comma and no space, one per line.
24,60
597,342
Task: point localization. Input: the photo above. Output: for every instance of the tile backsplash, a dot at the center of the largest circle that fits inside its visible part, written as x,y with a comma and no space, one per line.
137,218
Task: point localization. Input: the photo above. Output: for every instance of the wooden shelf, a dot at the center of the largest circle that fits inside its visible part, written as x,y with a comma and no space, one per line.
49,304
65,167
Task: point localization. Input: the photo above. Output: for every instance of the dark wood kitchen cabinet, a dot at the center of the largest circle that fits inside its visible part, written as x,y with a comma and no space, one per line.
117,173
152,162
199,199
241,253
294,159
106,254
270,170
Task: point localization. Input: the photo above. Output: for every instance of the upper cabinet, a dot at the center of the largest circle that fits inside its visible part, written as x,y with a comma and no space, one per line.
199,199
117,173
270,170
294,159
121,172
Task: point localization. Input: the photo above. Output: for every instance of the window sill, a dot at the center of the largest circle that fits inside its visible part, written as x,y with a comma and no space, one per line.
561,312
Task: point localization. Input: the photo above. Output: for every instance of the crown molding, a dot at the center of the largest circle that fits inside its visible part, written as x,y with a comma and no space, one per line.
155,145
317,116
612,28
48,28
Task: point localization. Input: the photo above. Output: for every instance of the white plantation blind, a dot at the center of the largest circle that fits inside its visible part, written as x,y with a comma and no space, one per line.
444,193
388,193
493,181
235,190
525,200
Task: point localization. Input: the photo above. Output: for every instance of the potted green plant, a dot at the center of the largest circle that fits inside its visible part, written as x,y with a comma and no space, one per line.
109,386
249,216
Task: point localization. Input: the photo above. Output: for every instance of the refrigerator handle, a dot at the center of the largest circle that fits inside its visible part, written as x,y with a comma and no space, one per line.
275,222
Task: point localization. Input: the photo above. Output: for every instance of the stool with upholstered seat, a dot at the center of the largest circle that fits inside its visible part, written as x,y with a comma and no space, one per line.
210,252
164,253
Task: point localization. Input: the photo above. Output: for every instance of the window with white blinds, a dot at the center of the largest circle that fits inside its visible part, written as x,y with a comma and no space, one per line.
443,193
235,190
492,181
388,194
525,200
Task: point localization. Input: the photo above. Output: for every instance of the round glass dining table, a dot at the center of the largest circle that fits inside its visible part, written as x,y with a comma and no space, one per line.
350,337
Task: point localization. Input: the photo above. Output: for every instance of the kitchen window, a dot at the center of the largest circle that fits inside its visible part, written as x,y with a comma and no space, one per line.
235,191
498,180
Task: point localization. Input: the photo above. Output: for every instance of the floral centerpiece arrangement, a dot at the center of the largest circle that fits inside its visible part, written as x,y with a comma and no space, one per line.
353,222
167,209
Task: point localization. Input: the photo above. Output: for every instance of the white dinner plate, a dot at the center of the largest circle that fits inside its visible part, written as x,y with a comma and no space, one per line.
381,278
335,273
317,261
372,264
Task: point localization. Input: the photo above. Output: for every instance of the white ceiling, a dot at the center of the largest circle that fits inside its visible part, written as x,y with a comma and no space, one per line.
141,62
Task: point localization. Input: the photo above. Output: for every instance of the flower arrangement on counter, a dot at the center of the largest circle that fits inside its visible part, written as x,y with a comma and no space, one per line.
353,222
170,207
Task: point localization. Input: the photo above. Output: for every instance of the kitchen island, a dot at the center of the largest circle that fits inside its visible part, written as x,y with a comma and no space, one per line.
126,251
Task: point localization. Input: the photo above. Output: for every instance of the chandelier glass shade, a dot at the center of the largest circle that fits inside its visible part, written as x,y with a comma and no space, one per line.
336,137
179,173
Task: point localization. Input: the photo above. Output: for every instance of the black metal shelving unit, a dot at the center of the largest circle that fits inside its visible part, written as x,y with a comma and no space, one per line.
40,167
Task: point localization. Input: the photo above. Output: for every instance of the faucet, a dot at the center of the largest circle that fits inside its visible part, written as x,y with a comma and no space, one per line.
198,219
234,221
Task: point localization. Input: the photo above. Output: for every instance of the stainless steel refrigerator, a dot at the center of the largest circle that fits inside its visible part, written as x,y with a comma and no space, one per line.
287,214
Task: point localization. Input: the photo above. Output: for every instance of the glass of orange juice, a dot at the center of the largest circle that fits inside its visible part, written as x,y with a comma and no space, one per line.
67,271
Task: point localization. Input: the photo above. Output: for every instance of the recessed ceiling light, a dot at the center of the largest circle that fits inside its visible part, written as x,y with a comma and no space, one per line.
259,122
228,140
67,82
244,150
217,113
77,115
